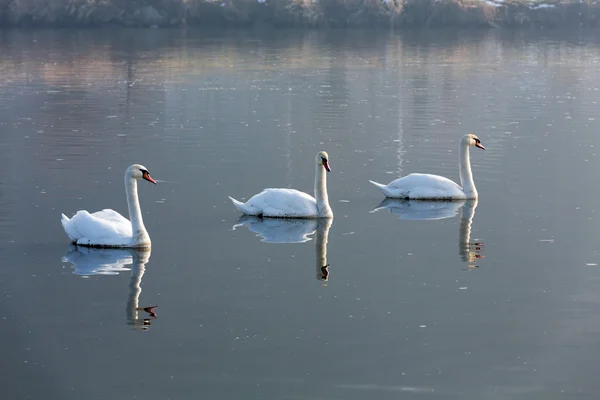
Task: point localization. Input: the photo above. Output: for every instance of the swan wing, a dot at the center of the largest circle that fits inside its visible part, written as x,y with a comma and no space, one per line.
284,203
425,186
106,227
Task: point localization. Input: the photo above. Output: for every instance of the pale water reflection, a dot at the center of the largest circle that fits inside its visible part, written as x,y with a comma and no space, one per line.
279,230
321,240
419,210
289,230
470,251
88,261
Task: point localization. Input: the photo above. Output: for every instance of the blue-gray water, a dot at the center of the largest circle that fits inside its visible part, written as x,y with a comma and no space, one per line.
410,308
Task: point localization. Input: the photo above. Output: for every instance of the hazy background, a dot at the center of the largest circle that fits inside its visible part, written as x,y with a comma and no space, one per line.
300,13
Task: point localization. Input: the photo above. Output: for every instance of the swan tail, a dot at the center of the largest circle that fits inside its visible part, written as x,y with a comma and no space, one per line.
64,220
249,210
381,187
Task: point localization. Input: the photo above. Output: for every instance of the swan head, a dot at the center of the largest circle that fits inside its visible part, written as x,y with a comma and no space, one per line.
323,159
471,139
137,171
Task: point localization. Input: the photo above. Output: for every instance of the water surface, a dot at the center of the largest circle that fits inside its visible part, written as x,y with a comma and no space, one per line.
492,299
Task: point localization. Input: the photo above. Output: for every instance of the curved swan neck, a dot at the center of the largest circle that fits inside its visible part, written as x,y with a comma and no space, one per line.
138,230
323,208
466,176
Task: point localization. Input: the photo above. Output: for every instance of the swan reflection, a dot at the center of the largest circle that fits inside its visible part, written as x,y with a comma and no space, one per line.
420,209
88,261
280,230
321,239
470,251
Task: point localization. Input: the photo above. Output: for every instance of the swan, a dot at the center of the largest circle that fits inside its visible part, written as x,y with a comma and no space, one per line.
291,203
108,228
435,187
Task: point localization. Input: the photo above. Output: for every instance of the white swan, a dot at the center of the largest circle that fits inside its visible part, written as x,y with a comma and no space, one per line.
291,203
108,228
435,187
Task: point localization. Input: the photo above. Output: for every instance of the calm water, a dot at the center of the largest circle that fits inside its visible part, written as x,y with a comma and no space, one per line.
494,300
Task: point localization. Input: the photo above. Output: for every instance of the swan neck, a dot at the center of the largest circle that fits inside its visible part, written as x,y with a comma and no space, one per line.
323,208
466,176
138,230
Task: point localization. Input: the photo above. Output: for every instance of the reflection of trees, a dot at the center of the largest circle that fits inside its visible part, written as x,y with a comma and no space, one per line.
58,76
333,94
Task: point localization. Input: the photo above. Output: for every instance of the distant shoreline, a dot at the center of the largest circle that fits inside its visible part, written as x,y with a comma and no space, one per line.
311,14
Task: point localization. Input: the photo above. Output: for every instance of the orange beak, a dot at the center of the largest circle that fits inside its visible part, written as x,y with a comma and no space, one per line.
147,177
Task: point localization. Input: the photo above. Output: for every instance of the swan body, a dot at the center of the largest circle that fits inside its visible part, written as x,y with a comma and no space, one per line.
291,203
435,187
108,228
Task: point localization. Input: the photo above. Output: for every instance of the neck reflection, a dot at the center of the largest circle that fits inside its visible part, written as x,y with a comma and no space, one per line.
87,261
281,230
321,239
469,251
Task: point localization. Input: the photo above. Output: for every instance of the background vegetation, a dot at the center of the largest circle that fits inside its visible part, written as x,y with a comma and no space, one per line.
299,13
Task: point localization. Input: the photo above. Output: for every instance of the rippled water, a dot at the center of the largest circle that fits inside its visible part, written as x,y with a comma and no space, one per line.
492,299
